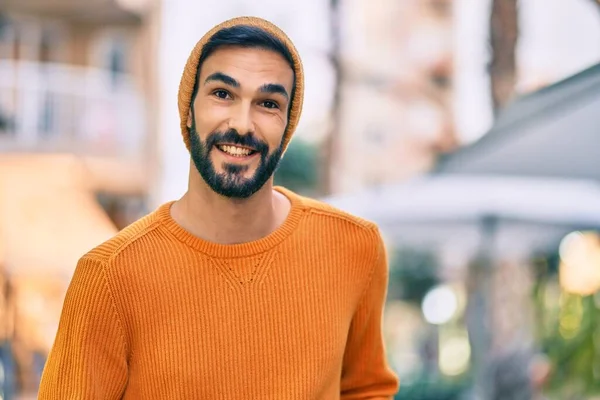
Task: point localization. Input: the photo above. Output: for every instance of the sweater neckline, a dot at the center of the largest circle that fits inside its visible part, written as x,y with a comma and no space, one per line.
239,249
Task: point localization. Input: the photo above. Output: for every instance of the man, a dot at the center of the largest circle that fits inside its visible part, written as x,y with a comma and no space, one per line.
238,290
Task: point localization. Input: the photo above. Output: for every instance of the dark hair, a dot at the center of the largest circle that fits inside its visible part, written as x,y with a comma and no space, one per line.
248,37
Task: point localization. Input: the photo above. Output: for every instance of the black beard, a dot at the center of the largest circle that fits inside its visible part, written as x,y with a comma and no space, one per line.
231,183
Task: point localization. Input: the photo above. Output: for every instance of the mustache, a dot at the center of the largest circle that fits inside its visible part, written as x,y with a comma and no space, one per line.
232,136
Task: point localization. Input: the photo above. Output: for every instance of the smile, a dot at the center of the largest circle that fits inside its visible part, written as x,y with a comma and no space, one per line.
235,151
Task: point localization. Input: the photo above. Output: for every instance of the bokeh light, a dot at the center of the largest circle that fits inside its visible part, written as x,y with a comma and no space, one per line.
440,305
455,354
580,263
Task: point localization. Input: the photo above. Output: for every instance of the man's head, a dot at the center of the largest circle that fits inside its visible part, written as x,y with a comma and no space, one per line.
244,104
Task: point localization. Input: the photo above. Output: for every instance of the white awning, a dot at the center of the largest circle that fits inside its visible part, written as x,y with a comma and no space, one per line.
550,133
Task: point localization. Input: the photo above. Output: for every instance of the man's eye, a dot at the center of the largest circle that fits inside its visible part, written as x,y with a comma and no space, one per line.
222,94
270,104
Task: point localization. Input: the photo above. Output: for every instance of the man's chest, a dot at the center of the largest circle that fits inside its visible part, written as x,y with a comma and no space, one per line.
247,321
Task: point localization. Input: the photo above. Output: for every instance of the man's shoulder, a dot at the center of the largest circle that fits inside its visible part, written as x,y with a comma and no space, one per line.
338,219
342,232
110,249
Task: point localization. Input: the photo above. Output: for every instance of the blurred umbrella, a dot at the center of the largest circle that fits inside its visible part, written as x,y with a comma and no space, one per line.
450,210
552,133
483,216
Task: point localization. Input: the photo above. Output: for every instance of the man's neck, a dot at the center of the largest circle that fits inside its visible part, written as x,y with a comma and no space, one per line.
218,219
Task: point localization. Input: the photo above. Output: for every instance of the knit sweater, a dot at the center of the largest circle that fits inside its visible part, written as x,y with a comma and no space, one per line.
157,313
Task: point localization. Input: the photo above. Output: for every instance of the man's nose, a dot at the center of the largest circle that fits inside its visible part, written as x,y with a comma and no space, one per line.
241,120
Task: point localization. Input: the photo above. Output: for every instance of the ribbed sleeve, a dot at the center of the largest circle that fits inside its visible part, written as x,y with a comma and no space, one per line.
88,359
365,374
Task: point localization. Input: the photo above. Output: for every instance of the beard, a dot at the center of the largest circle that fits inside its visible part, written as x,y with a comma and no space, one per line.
231,183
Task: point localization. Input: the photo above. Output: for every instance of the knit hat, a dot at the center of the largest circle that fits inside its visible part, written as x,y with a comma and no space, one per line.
188,79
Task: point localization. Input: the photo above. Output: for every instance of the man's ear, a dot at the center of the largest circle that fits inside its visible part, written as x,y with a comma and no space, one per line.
189,119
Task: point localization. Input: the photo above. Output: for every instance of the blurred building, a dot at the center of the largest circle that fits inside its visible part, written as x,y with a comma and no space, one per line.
77,77
77,130
395,115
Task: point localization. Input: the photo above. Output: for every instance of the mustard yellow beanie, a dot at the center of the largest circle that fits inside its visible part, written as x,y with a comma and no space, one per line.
188,79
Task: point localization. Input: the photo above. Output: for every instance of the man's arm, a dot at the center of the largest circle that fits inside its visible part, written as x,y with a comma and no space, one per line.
366,374
89,357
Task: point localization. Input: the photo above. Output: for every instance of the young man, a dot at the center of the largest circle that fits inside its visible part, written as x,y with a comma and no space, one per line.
238,290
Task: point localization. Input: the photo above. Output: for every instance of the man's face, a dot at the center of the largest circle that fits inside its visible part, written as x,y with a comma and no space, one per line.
239,118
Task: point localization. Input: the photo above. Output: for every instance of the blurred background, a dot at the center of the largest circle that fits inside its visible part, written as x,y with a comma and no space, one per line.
467,129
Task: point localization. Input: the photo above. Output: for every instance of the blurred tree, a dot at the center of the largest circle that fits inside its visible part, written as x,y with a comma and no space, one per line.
412,274
298,168
573,347
437,389
504,32
4,23
6,123
569,334
330,141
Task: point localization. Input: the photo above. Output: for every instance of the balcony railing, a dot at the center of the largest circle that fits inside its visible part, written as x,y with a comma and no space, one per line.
58,107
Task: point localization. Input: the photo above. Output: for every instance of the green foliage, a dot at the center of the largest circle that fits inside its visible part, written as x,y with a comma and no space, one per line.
570,336
574,348
432,389
412,274
298,169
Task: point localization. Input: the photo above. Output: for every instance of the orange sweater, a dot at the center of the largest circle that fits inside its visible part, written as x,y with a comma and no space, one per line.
156,313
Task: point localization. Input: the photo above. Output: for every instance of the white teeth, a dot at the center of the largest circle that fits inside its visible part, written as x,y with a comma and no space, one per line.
235,150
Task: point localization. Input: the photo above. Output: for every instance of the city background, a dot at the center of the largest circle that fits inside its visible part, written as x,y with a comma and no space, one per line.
467,129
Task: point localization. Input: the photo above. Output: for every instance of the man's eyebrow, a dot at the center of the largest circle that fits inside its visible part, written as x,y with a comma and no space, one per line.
221,77
274,88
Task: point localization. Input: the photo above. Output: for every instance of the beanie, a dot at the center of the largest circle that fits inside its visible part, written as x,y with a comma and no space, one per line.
188,79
